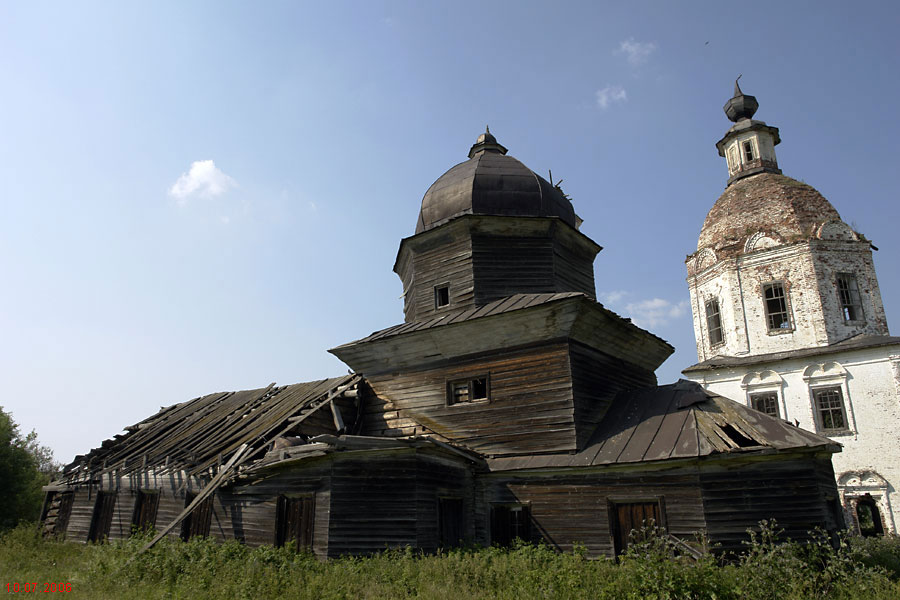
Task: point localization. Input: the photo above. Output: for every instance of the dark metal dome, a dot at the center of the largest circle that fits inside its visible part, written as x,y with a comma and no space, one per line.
491,183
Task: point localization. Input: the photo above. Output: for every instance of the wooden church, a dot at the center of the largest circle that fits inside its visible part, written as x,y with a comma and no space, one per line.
508,404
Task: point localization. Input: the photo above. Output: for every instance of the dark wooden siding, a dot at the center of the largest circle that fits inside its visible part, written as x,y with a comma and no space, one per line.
573,270
373,504
504,266
248,512
738,496
596,379
530,407
570,508
446,259
436,479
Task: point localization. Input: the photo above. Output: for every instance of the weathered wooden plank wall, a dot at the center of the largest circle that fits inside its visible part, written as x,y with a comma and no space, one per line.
596,379
736,497
439,477
247,511
373,503
445,259
573,508
504,266
530,407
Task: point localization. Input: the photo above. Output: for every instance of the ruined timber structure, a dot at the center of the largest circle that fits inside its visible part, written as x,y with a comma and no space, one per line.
789,320
509,404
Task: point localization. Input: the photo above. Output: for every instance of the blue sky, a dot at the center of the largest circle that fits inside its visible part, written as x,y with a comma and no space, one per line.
197,197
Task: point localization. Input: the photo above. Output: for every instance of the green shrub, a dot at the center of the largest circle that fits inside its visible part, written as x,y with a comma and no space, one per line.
652,568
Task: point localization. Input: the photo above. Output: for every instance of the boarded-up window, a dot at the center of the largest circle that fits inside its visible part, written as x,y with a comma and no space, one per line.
630,520
294,522
777,318
450,521
472,389
101,521
510,521
196,524
144,517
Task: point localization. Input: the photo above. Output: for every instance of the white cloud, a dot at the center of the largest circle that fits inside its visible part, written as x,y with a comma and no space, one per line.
609,95
655,312
613,297
636,52
203,179
648,314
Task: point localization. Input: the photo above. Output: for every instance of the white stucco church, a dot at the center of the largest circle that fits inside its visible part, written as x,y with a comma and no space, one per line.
788,318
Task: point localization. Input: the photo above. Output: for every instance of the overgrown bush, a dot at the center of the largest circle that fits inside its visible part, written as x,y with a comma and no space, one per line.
653,568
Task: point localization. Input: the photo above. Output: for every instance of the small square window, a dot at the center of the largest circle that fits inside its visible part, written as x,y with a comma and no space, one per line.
848,294
830,409
775,301
714,323
765,402
442,295
473,389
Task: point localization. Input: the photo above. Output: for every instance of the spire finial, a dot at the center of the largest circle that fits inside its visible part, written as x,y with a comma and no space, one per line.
737,88
487,128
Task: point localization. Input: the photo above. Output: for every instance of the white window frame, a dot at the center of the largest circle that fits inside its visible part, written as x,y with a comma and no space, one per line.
761,382
828,375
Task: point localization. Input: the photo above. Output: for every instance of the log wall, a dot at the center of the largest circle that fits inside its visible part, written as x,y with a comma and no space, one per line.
530,409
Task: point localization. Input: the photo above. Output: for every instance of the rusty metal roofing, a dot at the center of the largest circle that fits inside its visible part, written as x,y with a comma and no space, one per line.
200,433
857,342
679,420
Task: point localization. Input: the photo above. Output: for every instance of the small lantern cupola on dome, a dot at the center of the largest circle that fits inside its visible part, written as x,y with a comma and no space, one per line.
749,146
486,142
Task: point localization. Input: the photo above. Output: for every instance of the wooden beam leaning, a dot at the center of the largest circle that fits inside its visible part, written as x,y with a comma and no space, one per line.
207,491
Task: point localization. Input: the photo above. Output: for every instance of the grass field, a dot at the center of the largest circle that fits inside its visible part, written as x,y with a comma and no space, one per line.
860,569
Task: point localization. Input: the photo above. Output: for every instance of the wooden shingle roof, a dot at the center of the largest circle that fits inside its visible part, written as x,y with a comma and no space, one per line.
200,433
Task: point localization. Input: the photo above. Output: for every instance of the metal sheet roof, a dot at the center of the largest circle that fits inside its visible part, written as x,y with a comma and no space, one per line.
679,420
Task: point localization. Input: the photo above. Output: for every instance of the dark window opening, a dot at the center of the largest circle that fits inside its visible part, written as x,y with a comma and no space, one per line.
765,402
145,506
776,307
441,295
101,520
714,323
848,292
450,522
868,517
462,391
509,522
197,523
294,522
748,150
830,409
631,522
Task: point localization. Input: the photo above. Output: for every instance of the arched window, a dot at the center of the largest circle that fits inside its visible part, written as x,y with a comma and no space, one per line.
868,517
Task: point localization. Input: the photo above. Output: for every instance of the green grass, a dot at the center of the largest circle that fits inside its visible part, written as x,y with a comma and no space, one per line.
859,569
